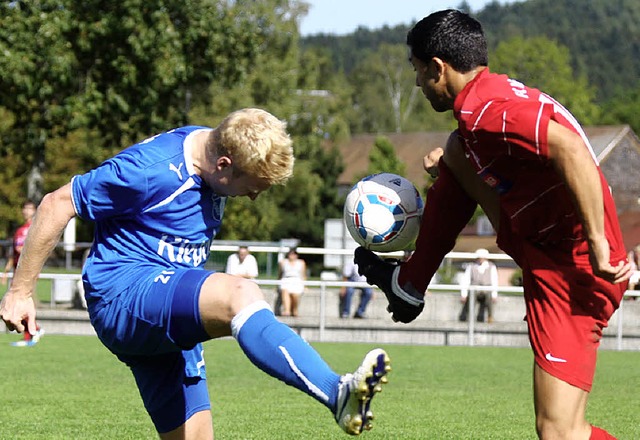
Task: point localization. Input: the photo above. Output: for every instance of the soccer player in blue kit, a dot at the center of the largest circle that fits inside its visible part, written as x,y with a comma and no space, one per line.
156,206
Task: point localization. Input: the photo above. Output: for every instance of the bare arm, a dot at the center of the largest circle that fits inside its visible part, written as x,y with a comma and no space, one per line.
54,212
573,162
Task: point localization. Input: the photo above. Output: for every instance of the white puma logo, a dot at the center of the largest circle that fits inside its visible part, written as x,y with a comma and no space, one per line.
172,167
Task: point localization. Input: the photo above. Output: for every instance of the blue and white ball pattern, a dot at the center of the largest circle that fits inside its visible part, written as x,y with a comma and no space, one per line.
383,211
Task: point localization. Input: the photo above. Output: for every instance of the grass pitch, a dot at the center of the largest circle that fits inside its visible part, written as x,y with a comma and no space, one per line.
71,387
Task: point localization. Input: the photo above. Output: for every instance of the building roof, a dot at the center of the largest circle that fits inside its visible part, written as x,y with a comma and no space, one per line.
412,147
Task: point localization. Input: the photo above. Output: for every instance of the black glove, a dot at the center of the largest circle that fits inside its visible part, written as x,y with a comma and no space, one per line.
380,273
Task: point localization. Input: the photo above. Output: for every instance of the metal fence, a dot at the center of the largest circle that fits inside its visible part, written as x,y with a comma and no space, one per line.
327,287
61,283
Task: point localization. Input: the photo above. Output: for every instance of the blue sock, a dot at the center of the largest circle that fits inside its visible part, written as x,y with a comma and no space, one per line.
280,352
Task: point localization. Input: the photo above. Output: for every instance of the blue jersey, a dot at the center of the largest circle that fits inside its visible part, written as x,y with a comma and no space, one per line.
152,212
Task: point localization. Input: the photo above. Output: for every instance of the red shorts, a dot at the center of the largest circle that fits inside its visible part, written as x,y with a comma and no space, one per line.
567,309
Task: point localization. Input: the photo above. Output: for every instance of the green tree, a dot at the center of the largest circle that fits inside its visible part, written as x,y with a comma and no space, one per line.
540,62
384,89
245,219
113,72
624,108
603,36
383,158
143,63
36,79
301,89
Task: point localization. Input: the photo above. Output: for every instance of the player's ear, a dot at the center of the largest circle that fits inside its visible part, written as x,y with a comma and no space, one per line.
224,162
437,67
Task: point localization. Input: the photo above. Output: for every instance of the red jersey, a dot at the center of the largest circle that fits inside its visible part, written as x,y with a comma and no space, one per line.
504,128
18,241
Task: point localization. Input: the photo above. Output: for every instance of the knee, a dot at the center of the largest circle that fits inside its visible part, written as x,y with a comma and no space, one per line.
244,293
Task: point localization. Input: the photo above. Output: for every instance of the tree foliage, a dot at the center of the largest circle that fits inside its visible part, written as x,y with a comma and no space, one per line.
385,90
301,89
143,63
36,81
624,108
603,36
111,73
383,159
117,72
541,63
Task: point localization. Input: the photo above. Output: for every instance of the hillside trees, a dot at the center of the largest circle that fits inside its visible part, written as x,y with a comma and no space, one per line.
603,36
624,108
541,63
113,72
302,90
82,80
385,95
36,81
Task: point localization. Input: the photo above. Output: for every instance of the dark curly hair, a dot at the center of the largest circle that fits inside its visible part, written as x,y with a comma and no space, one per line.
452,36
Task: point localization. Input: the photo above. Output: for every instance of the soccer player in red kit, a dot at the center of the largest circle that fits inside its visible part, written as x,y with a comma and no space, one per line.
526,161
28,209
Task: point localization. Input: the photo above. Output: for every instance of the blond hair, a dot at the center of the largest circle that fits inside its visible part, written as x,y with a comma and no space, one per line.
258,144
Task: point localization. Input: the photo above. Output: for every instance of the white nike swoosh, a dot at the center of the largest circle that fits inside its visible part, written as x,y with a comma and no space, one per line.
551,358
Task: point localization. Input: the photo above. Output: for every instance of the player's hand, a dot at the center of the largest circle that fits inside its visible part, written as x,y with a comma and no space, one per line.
599,257
18,313
430,162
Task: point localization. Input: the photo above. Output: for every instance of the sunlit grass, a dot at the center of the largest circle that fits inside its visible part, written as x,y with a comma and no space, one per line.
71,387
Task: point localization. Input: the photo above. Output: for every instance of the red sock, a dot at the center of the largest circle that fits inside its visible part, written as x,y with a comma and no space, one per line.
600,434
27,336
447,211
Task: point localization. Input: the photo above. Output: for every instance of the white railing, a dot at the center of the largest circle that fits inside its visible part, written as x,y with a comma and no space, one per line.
324,286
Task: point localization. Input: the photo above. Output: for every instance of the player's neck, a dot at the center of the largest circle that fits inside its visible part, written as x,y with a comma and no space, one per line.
200,156
458,81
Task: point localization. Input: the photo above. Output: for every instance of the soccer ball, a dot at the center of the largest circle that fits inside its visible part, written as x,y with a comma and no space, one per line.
382,212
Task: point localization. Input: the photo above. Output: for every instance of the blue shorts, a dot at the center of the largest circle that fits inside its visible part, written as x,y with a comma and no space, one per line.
155,328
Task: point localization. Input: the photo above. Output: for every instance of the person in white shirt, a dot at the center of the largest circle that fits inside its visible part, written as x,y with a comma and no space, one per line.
242,264
292,273
481,272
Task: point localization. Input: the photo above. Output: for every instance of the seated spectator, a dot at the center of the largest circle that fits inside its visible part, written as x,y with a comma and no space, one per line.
242,264
293,273
350,273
